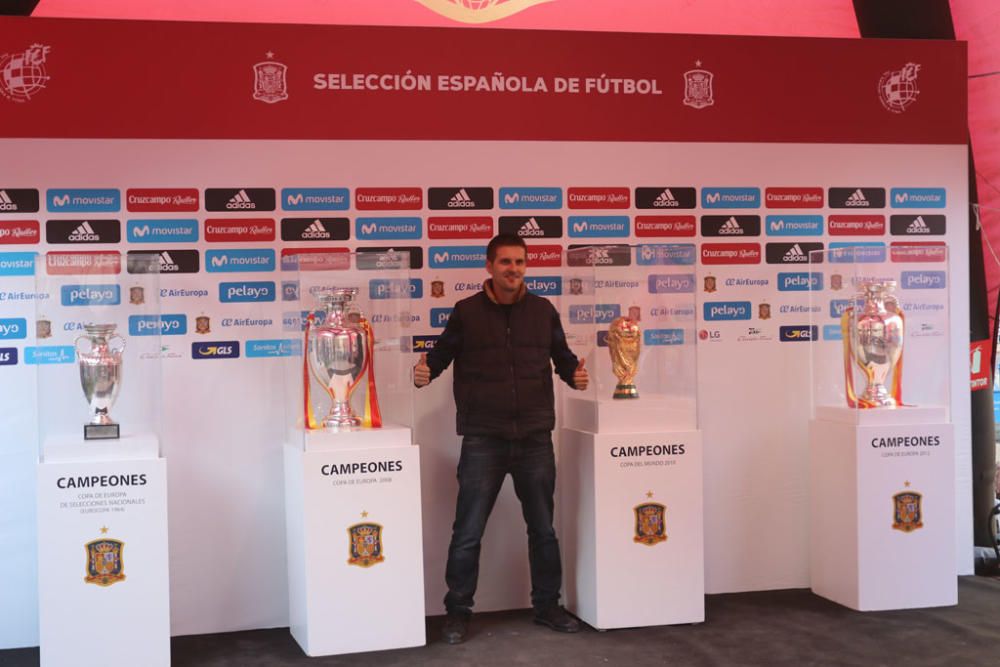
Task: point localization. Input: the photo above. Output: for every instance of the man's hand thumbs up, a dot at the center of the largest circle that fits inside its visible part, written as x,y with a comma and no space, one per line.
422,372
580,377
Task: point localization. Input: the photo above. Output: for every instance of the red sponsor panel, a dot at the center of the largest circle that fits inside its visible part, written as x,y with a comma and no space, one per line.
239,230
665,225
19,232
161,200
730,253
931,251
470,227
979,365
94,262
793,197
856,225
594,198
545,255
388,199
315,259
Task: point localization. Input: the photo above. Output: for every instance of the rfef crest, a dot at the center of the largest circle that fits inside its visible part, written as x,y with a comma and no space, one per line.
365,544
270,83
898,88
104,562
649,524
698,88
906,513
22,75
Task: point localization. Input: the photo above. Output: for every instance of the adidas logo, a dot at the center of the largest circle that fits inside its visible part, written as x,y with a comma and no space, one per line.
794,254
531,228
241,200
461,199
316,231
6,203
666,200
167,264
857,198
918,226
84,233
731,228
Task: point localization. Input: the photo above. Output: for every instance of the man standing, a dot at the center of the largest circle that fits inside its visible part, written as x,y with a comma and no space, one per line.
504,342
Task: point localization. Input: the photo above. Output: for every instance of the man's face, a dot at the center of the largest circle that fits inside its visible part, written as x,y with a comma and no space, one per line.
507,268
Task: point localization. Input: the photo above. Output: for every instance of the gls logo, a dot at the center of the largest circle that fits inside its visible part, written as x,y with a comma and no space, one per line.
726,310
8,356
162,231
798,333
151,325
223,349
239,199
459,198
247,292
91,295
424,343
13,328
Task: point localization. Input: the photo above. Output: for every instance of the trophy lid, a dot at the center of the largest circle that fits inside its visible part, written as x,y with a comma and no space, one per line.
99,329
333,295
877,286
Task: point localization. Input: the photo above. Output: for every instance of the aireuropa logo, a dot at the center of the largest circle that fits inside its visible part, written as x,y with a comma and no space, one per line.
247,292
681,283
716,311
798,333
91,295
439,317
396,288
283,347
793,197
235,261
923,280
730,197
396,258
168,261
856,225
315,229
375,229
792,253
162,231
157,325
466,227
459,198
159,200
219,349
533,226
457,257
50,354
800,282
917,225
867,252
17,263
424,343
838,306
8,356
13,328
598,226
18,200
544,285
531,198
917,198
82,231
239,199
666,254
794,225
730,225
856,197
665,225
599,255
663,337
83,201
666,196
19,232
314,199
601,313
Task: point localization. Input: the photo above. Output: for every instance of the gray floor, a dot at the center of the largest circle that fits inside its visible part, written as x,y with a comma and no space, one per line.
790,627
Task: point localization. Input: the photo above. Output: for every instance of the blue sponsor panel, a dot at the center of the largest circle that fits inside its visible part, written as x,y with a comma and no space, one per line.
715,311
17,263
457,256
424,343
798,333
730,197
215,349
247,292
396,228
239,261
666,254
832,332
396,288
598,226
152,325
50,354
917,198
868,252
91,295
680,283
794,225
663,337
13,328
531,198
8,356
314,199
162,231
800,281
838,306
544,285
602,313
284,347
88,200
439,317
923,280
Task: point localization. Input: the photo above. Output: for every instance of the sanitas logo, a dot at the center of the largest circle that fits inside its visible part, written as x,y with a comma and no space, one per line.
798,333
226,349
403,228
663,337
726,310
90,295
246,292
288,347
457,257
160,231
151,325
599,226
50,354
231,261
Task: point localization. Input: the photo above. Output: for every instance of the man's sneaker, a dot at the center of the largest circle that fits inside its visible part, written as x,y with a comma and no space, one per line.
556,618
456,627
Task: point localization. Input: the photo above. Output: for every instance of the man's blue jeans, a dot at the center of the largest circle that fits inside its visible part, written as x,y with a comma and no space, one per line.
483,465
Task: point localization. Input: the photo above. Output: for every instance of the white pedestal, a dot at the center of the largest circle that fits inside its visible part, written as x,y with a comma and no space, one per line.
342,601
651,414
111,506
870,547
613,577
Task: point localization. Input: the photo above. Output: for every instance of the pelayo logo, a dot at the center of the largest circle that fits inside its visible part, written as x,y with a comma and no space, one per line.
396,288
923,280
91,295
680,283
13,328
247,292
601,313
163,325
439,317
726,310
800,282
544,285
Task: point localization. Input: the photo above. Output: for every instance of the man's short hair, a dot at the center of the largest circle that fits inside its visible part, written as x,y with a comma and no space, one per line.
503,240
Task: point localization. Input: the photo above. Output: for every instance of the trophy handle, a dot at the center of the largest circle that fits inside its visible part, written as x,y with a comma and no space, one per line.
119,349
76,343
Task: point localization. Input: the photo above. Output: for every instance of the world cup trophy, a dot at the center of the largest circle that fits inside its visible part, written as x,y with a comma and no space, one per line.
100,365
624,343
873,339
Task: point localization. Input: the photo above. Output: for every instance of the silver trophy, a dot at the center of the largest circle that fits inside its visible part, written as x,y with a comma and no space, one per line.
338,354
101,376
876,342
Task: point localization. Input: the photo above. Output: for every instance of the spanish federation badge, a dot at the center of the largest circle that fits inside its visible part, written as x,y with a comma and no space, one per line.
270,84
906,511
698,88
365,544
649,523
104,561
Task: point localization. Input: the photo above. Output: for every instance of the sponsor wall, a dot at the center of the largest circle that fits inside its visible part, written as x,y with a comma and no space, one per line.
749,186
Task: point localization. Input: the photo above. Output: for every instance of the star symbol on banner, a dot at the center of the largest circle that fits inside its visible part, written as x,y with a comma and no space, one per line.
649,494
104,530
269,54
364,514
906,484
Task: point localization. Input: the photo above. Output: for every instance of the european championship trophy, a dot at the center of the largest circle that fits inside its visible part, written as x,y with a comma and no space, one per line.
100,367
873,330
624,342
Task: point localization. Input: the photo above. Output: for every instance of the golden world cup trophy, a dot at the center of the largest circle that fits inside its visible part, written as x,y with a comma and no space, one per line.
624,343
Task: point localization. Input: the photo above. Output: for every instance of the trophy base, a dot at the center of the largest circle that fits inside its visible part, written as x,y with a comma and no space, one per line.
101,432
626,391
